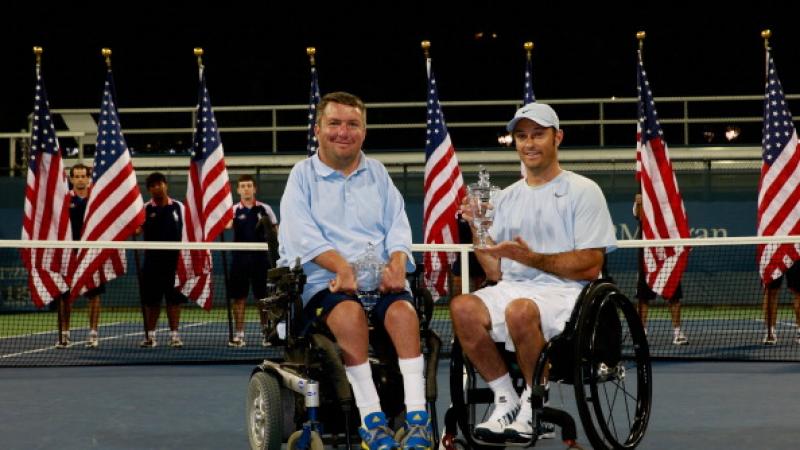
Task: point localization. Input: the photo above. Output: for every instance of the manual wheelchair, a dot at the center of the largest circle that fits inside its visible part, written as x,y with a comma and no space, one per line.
602,352
303,397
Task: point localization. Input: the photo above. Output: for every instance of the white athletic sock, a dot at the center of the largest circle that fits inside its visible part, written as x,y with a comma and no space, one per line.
413,382
366,396
505,397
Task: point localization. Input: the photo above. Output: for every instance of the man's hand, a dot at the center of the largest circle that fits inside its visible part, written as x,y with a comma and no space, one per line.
345,281
393,279
518,250
466,212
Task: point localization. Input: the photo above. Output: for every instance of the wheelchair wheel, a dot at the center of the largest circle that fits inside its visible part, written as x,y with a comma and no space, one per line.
264,412
613,379
316,441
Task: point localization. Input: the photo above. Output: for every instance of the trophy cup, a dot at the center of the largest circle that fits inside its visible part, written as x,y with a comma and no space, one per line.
481,196
369,271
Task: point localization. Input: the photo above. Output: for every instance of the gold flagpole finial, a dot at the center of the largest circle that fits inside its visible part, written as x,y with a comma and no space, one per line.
766,34
311,51
528,46
38,52
426,47
640,35
198,51
106,52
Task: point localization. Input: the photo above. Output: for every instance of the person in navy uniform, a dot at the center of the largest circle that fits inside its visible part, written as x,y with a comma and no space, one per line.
80,177
249,268
163,222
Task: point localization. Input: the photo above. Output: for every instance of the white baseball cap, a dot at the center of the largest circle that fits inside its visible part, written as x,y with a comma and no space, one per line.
540,113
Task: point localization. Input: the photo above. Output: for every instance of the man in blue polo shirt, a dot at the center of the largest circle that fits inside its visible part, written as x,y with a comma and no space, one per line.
337,204
249,268
80,177
163,222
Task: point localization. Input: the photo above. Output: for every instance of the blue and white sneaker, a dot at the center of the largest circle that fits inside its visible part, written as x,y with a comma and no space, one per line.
375,434
418,431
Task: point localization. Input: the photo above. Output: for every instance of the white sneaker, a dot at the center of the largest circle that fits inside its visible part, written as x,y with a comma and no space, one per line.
93,341
770,339
680,339
148,343
502,417
236,342
175,342
64,342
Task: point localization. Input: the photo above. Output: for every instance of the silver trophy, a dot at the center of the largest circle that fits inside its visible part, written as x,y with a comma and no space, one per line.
368,268
481,197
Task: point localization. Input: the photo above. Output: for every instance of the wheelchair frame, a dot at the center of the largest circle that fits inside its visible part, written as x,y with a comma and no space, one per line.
308,384
601,340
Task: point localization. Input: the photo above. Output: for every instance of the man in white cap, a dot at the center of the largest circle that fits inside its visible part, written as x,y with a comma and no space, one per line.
549,236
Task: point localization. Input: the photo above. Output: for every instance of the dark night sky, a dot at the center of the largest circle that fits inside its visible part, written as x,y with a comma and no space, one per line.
255,52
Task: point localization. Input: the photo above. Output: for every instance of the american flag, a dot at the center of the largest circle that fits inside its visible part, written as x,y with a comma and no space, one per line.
115,209
527,95
444,189
313,101
663,214
209,206
779,188
47,201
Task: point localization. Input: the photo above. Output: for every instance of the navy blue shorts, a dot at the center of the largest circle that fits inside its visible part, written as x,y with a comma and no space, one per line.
95,292
792,279
643,291
246,272
324,301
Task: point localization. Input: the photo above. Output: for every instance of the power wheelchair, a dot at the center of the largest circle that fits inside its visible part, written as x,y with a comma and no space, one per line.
303,397
602,352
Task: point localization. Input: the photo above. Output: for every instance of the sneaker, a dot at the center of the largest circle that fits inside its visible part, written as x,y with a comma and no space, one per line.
236,342
522,431
175,342
547,430
377,435
770,339
501,418
93,341
680,339
148,343
64,342
417,432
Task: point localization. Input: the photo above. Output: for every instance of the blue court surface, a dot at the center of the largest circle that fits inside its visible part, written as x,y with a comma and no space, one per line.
697,405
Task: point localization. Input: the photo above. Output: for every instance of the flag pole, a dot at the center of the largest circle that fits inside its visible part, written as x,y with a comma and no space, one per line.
198,52
766,34
60,312
106,54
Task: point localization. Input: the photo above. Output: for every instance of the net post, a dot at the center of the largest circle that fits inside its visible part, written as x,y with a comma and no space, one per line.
141,292
227,297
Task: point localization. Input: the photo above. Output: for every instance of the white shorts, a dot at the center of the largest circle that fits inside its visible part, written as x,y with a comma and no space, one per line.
555,306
